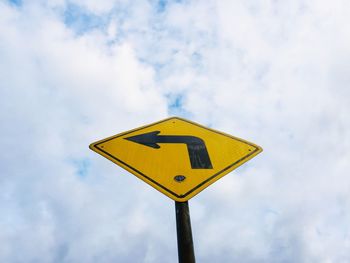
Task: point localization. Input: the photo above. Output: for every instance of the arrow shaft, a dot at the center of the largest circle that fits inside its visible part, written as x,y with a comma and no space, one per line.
178,139
197,151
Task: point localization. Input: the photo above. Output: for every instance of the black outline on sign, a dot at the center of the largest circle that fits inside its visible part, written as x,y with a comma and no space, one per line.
156,183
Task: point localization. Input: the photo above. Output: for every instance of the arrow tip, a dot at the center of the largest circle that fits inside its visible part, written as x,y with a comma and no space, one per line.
147,139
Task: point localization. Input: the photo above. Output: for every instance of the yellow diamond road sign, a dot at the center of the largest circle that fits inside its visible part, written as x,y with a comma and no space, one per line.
176,156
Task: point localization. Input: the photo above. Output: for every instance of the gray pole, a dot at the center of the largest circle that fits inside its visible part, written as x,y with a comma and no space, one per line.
184,233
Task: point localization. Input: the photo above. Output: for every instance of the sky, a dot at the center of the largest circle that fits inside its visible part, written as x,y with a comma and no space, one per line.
272,72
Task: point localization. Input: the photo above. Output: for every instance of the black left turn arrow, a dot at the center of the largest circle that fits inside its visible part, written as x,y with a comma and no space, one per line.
197,150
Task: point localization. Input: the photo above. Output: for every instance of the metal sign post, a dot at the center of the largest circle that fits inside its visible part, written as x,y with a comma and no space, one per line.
184,233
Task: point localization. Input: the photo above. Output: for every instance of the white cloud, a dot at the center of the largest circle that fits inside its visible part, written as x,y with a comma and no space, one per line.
271,72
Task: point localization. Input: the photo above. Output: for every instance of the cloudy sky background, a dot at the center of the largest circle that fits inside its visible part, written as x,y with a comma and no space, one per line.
275,73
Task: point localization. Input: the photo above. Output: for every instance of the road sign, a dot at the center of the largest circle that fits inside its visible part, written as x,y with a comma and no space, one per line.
176,156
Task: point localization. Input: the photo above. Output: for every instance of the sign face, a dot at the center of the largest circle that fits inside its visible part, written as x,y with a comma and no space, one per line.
176,156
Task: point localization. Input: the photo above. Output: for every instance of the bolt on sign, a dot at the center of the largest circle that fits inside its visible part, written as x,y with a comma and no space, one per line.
178,157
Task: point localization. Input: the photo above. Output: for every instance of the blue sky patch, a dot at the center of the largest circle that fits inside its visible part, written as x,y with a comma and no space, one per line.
82,166
176,105
162,4
16,2
81,20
